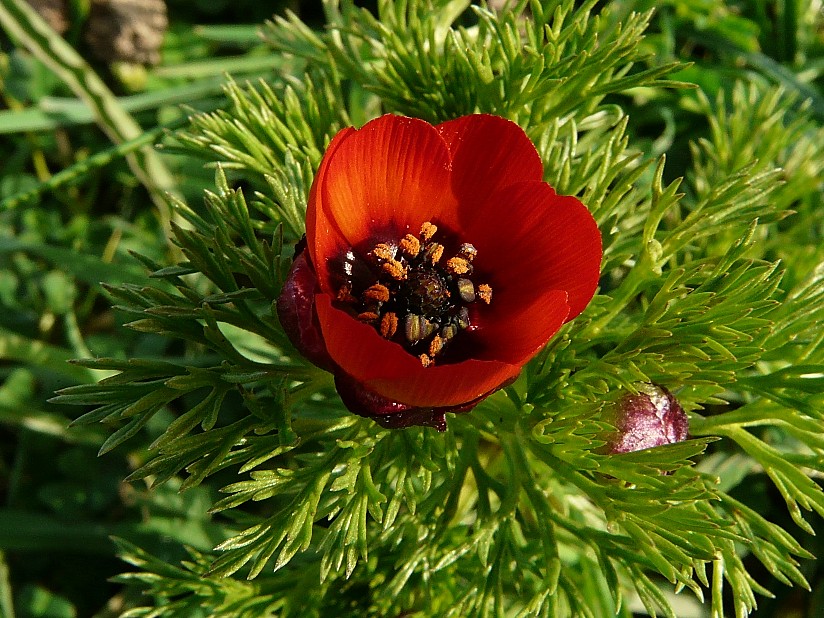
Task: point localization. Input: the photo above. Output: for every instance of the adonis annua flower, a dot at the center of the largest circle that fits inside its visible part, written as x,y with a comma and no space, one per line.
436,264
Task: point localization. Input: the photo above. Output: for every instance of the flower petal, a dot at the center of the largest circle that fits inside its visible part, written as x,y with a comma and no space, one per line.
381,182
387,413
488,153
529,240
318,227
391,372
515,334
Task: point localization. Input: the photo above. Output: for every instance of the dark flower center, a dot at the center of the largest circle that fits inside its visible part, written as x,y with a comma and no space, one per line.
427,291
416,298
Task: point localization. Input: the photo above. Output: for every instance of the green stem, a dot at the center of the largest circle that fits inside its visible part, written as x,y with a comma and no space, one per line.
6,604
75,336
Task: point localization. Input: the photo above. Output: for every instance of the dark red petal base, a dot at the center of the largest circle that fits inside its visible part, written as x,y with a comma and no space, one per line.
391,414
296,311
386,413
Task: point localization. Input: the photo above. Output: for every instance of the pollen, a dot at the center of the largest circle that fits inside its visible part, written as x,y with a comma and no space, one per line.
428,230
377,292
410,245
389,325
367,316
485,293
457,266
426,361
436,345
394,269
383,252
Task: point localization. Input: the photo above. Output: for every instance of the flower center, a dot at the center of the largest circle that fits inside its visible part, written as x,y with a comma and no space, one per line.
417,299
427,291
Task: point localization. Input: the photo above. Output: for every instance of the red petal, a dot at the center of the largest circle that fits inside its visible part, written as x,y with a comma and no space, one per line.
514,333
383,181
386,368
488,153
531,240
322,229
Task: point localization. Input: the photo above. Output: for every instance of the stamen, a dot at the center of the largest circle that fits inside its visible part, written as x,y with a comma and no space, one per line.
384,252
389,325
436,345
412,328
394,269
457,266
428,231
410,245
417,328
447,332
462,319
433,253
467,251
377,292
416,299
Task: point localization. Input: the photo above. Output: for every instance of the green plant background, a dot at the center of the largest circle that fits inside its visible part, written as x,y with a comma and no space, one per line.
211,471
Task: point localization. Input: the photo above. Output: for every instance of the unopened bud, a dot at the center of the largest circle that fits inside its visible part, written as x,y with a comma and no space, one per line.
650,418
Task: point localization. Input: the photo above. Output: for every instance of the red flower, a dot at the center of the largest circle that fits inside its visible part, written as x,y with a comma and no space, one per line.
437,263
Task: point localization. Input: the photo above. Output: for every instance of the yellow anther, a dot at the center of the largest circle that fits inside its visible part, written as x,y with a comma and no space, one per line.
436,345
425,360
394,269
389,325
457,266
368,316
428,231
447,332
467,251
377,292
485,292
466,290
434,253
410,245
383,251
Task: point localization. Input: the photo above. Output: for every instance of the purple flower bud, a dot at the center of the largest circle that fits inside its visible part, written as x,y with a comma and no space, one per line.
652,417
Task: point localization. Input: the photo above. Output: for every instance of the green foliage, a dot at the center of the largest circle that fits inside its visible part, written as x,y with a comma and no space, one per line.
711,286
23,22
421,63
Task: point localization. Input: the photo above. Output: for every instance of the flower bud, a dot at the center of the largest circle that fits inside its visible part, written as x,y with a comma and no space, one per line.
650,418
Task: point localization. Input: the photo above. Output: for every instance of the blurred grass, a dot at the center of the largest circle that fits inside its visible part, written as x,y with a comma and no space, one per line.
71,210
